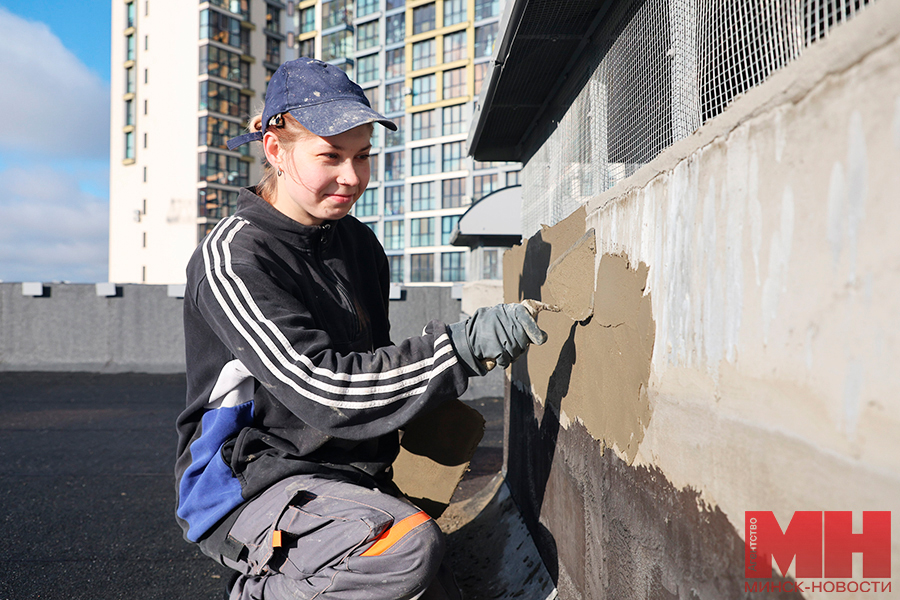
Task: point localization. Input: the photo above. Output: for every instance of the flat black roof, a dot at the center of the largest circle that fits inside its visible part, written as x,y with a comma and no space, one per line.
542,41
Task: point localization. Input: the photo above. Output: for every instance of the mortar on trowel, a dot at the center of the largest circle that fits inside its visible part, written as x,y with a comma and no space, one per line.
566,283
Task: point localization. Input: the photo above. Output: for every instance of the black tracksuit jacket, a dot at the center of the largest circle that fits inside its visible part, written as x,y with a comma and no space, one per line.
290,367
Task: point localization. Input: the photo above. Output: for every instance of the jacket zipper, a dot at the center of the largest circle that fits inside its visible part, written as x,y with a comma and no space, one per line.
342,291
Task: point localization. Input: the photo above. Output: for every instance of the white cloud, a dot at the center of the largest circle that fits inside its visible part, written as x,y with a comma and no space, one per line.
51,230
52,104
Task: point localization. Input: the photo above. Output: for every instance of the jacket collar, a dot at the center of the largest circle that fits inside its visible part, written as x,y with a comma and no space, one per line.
253,208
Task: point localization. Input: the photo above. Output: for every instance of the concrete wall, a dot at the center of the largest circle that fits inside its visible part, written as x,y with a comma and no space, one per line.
70,328
743,350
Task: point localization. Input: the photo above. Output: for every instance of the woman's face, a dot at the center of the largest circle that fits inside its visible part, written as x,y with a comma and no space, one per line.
324,176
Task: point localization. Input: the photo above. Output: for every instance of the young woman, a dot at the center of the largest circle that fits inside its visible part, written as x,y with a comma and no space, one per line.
295,390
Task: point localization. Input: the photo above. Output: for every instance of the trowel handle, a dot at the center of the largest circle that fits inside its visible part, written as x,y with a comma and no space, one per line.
533,307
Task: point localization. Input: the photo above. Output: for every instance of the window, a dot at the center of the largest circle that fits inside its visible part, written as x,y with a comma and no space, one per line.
396,264
484,185
224,64
423,55
490,264
423,18
452,266
455,46
453,122
273,18
216,203
366,7
481,70
453,194
224,170
372,95
422,161
421,232
367,205
423,90
394,63
146,76
129,80
480,165
421,267
238,7
129,47
308,19
423,125
455,83
337,45
129,112
367,35
451,159
395,29
393,97
129,15
485,9
223,99
367,68
454,12
307,47
129,145
393,165
512,178
393,200
223,29
273,50
393,235
447,225
484,39
394,138
216,132
337,12
395,4
422,196
373,165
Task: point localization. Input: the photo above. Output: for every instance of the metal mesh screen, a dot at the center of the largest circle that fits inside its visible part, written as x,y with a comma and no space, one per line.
657,70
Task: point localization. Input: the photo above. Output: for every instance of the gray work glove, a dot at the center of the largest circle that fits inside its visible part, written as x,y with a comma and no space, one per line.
500,333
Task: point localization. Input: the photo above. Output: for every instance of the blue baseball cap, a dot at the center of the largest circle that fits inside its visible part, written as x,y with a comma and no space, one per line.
319,95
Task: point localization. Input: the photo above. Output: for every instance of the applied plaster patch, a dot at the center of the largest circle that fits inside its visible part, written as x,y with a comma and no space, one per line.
595,370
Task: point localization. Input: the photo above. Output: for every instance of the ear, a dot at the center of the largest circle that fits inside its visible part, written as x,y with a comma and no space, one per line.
272,149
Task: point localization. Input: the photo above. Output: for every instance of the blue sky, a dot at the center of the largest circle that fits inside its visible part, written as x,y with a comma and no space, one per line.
54,145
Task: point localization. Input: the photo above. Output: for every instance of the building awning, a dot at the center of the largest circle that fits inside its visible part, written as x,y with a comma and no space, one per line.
495,220
542,41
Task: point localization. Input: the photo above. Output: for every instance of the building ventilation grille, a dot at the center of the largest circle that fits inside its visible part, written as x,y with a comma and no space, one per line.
660,69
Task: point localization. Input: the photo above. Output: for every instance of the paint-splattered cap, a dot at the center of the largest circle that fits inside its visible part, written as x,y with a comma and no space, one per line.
320,96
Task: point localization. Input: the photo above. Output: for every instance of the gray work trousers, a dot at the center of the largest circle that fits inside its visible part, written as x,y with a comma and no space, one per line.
312,536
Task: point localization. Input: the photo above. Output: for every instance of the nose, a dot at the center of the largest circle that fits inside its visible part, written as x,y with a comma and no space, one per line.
348,175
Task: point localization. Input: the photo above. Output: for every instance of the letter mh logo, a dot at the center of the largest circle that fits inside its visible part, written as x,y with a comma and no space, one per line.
822,543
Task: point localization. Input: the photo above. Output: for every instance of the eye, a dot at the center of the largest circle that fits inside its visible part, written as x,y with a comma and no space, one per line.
363,156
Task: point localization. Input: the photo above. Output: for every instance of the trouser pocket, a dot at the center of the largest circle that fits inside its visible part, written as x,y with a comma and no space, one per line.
298,529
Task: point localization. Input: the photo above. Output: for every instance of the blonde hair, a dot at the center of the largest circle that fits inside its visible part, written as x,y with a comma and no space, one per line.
288,136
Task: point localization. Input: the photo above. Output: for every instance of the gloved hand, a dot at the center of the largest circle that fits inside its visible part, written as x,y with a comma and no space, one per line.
500,333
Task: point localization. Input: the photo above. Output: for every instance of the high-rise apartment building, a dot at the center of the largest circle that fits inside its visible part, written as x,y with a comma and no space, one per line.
186,77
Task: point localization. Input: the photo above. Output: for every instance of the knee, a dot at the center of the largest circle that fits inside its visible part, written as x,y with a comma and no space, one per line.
409,565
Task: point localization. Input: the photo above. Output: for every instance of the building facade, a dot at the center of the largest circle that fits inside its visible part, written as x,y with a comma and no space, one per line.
185,78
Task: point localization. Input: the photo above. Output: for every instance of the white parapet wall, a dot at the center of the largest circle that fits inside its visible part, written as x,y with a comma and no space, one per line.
748,283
